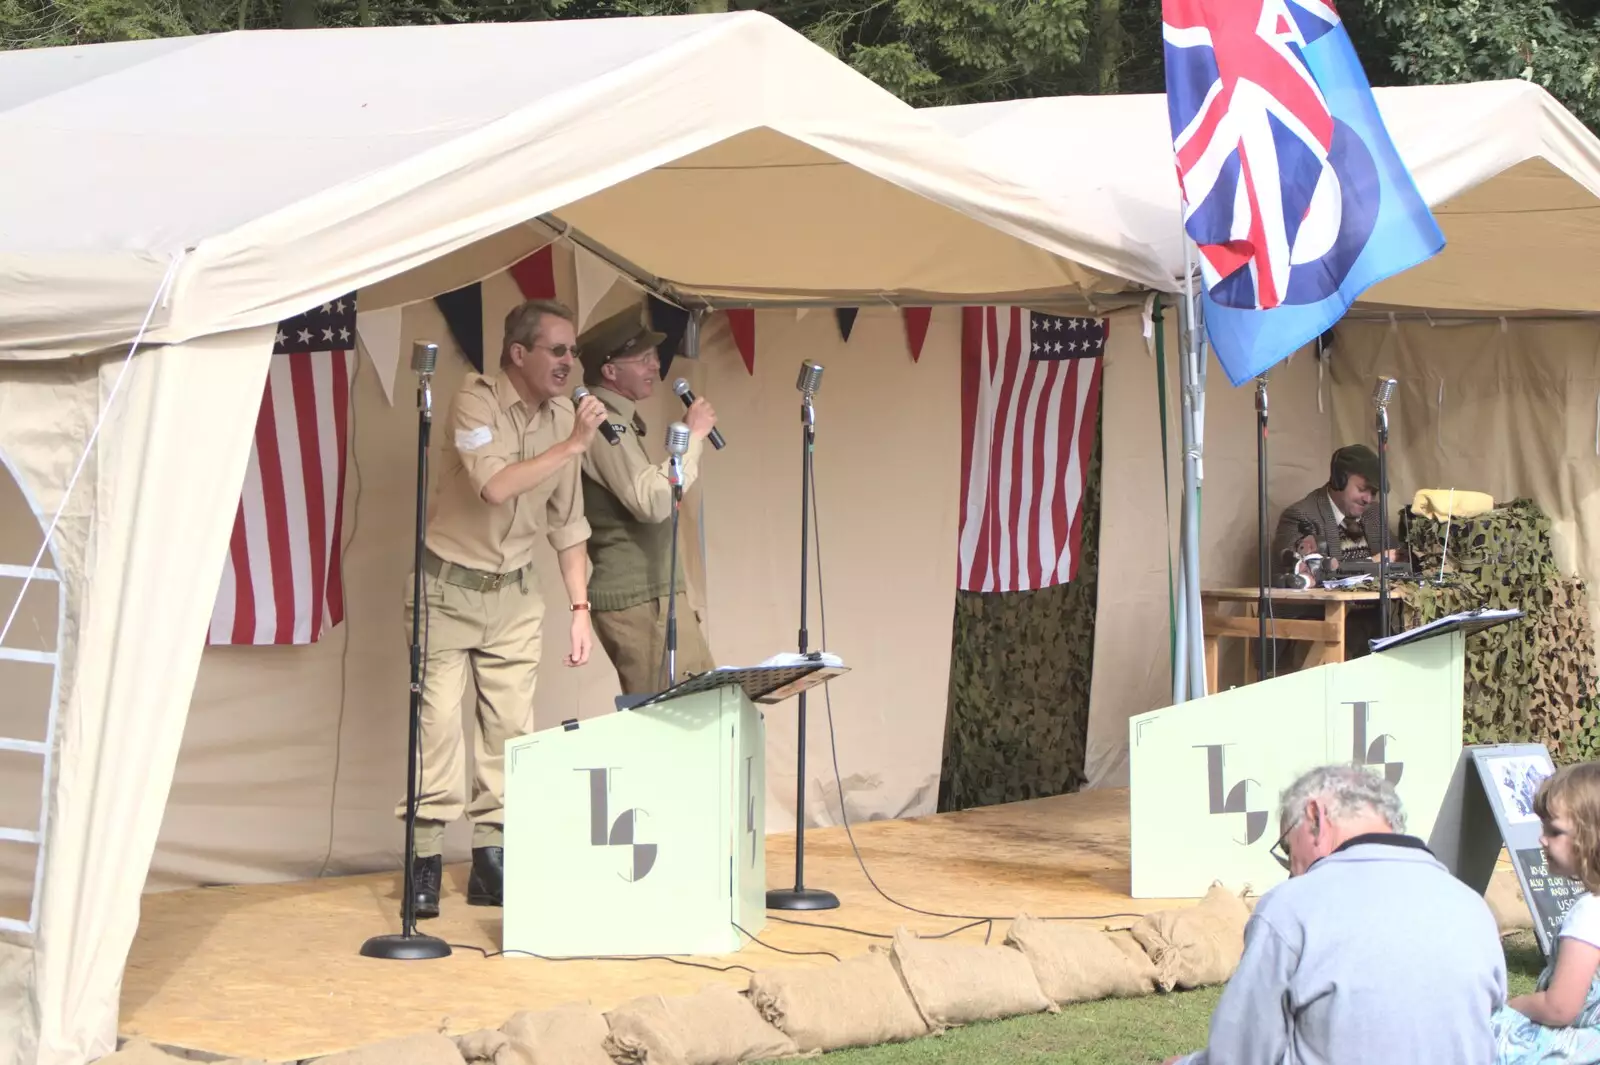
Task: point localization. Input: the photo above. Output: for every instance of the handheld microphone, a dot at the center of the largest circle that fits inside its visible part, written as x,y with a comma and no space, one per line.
607,430
810,378
685,393
424,358
677,445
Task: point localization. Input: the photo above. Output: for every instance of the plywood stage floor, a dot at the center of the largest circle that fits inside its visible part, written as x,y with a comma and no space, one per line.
273,971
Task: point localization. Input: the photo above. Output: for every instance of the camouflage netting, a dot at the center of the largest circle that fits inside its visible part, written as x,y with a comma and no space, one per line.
1532,680
1020,662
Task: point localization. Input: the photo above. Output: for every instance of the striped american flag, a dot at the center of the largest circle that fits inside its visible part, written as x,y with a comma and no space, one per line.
1030,387
282,582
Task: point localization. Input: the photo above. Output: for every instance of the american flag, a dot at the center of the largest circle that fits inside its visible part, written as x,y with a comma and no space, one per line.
282,583
1030,387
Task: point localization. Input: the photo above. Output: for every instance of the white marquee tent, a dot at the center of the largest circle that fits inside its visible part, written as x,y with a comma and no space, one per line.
1514,180
180,197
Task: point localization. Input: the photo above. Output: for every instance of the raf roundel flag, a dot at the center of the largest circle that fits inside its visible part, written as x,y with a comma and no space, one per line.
1293,191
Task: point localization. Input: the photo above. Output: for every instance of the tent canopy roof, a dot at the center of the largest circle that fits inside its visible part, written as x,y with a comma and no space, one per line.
1512,177
724,155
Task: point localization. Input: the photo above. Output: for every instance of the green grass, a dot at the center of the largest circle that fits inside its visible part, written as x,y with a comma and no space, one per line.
1133,1031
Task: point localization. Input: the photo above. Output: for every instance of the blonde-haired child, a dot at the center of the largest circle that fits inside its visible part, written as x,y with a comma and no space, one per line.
1560,1021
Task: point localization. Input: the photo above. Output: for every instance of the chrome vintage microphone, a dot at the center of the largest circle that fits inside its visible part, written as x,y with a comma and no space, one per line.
801,897
685,393
1382,393
677,445
408,944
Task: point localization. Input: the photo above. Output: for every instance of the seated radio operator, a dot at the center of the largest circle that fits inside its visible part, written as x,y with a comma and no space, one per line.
1333,522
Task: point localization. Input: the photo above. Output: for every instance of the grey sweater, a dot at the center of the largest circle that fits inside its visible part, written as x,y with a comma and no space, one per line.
1376,955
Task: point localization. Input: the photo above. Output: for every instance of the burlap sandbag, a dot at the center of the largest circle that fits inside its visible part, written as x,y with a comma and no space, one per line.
1075,963
412,1050
716,1026
1198,945
957,983
858,1003
492,1047
573,1034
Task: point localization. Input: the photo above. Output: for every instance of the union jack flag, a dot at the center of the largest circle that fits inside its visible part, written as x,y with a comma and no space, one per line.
1293,192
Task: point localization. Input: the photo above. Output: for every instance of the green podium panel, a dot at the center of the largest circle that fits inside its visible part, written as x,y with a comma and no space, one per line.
1207,775
638,832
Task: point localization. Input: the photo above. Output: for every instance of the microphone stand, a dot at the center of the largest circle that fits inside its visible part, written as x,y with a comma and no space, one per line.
801,897
409,945
1264,570
676,475
1383,519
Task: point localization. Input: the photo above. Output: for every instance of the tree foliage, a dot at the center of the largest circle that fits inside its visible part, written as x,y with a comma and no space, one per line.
945,51
1432,42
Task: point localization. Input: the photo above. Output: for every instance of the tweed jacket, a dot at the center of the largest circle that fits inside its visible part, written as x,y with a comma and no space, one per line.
1314,516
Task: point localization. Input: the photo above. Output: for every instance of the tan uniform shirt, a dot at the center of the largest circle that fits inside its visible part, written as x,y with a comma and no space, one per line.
490,428
626,469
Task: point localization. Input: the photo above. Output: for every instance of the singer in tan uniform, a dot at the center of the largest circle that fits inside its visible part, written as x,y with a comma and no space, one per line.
511,474
627,496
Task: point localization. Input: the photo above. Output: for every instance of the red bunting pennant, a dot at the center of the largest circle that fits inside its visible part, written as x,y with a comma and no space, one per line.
742,322
916,319
536,275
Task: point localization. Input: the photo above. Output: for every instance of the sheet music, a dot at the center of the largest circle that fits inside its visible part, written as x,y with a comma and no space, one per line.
1473,619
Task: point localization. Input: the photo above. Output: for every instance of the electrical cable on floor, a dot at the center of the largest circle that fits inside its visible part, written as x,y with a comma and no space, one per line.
816,527
596,957
780,950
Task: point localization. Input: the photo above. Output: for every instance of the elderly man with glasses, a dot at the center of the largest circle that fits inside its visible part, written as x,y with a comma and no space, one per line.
1371,952
627,495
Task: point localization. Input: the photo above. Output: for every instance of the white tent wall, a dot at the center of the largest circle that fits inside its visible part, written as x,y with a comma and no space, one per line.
1512,409
1132,657
146,529
254,793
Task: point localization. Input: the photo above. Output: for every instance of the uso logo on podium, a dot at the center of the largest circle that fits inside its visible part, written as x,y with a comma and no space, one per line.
623,832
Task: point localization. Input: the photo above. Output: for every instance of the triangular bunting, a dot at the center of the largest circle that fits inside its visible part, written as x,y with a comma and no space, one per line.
463,313
596,278
916,319
379,332
742,323
846,317
673,321
536,275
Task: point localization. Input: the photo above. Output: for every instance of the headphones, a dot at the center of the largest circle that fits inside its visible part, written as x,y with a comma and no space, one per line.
1338,475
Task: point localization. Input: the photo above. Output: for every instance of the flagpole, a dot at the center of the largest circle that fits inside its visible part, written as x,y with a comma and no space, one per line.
1193,399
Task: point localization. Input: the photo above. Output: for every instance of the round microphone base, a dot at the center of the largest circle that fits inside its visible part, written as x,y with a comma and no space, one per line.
802,899
405,948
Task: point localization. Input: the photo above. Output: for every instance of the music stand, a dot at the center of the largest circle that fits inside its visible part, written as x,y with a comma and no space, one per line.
765,685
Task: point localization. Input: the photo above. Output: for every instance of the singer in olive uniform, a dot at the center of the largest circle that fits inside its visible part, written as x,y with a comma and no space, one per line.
511,474
627,497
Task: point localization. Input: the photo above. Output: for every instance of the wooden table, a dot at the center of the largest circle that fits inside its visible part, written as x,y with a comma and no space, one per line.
1326,635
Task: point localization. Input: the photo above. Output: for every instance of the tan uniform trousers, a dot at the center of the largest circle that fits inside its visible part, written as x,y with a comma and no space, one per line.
496,635
635,640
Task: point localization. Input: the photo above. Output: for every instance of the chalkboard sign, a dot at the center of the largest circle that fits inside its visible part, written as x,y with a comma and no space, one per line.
1509,776
1549,897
